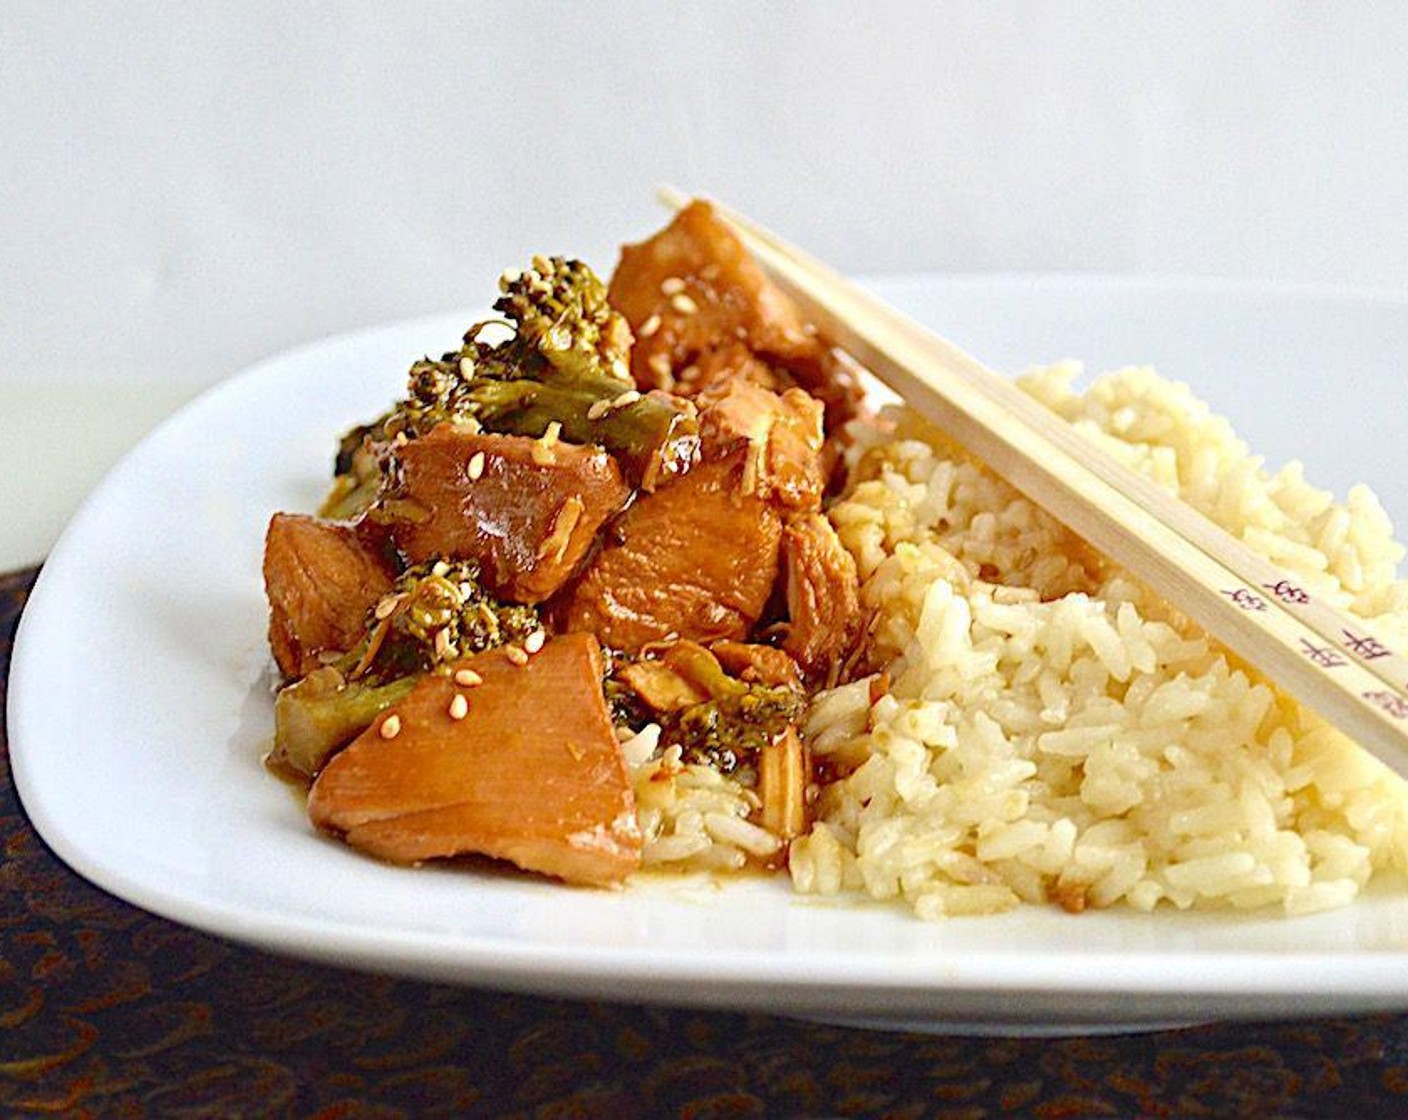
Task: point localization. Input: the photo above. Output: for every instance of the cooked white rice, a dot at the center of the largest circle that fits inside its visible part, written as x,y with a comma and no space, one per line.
693,818
1048,730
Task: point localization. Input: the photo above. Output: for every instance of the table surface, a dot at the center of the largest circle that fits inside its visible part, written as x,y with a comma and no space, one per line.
106,1010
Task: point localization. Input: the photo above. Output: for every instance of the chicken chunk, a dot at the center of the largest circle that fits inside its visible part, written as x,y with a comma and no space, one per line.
730,361
679,674
783,432
757,664
526,769
525,510
823,594
692,285
321,581
662,687
696,560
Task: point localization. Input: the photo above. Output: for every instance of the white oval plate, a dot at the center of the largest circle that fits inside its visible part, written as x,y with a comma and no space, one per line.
140,705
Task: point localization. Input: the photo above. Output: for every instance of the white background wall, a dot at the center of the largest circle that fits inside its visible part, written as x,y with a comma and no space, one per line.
185,187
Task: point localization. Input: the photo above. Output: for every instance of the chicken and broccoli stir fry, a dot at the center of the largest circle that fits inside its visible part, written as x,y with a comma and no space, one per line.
598,522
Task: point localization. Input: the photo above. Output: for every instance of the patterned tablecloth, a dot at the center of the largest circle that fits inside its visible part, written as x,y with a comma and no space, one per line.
108,1011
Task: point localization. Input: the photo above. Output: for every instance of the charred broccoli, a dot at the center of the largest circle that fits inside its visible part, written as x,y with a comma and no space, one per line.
324,711
564,333
360,474
560,314
436,613
729,731
715,718
566,361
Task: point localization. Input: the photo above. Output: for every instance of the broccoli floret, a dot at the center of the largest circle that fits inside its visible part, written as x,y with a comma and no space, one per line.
726,729
625,705
436,613
324,711
565,361
558,308
563,332
361,474
729,731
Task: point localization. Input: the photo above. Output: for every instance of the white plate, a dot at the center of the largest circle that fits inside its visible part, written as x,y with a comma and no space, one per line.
140,705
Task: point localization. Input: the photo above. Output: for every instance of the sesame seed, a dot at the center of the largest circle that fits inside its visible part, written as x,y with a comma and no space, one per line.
476,465
391,726
468,677
629,397
439,568
671,285
442,643
386,606
399,440
650,326
459,707
466,367
516,655
598,409
683,304
554,430
660,364
534,641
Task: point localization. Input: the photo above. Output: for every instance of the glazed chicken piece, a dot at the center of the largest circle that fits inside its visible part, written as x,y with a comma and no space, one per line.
823,595
757,664
702,310
696,559
525,510
676,675
321,581
784,437
661,686
733,361
527,769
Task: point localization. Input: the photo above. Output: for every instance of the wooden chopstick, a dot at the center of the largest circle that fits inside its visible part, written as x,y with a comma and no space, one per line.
1325,659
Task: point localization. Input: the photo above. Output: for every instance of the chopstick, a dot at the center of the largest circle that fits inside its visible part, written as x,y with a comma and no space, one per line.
1325,659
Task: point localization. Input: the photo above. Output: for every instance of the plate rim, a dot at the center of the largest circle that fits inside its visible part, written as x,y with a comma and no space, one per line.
1225,975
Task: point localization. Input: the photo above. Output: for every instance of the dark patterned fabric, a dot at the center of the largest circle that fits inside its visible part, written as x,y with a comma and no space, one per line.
107,1011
